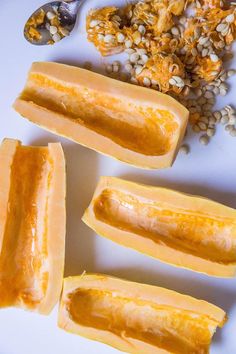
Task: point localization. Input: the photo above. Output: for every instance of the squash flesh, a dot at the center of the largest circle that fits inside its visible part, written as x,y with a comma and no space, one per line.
164,327
26,257
131,125
137,318
179,229
182,230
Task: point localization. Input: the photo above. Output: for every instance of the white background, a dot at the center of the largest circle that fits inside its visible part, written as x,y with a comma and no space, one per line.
208,171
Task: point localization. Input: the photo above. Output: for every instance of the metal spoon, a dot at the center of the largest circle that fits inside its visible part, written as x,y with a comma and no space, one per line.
52,22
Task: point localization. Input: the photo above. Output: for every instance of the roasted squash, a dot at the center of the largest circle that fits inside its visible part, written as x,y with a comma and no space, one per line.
32,225
183,230
137,318
133,124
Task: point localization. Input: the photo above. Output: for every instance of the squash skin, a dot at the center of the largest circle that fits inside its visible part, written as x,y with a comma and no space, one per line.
74,79
136,292
158,248
49,234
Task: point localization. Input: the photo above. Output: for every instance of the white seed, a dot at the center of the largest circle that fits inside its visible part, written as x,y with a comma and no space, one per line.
217,115
101,37
134,57
184,149
194,52
108,38
50,15
196,128
64,31
53,30
115,68
133,80
208,94
141,51
128,43
172,81
128,67
56,37
179,81
214,57
141,29
211,132
216,90
233,132
154,82
231,72
224,120
221,27
203,40
129,51
224,112
204,52
94,23
175,31
120,37
229,18
232,119
138,69
204,139
229,127
202,125
223,91
47,25
147,82
144,58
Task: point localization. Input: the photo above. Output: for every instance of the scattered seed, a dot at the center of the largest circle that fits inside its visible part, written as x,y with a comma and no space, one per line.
51,15
144,58
134,57
229,127
184,149
233,132
94,23
56,37
196,128
224,120
120,37
217,115
204,139
175,31
142,29
204,52
53,30
128,67
108,38
214,57
221,27
229,18
128,43
232,119
138,69
202,126
216,90
211,132
147,82
231,72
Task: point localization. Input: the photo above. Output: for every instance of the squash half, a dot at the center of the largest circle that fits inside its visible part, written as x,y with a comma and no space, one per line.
137,318
32,225
179,229
133,124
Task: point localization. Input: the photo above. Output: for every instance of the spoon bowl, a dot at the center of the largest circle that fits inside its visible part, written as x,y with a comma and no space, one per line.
52,22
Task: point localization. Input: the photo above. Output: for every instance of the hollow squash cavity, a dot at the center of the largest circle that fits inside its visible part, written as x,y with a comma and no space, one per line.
177,331
132,125
199,234
23,271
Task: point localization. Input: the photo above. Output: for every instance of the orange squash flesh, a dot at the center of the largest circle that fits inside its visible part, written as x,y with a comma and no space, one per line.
137,318
183,230
130,123
32,225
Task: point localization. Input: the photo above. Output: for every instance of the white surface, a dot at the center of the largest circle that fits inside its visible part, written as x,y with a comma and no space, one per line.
208,171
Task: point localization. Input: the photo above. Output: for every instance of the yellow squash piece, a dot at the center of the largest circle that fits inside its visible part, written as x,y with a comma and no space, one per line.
183,230
32,225
137,318
133,124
